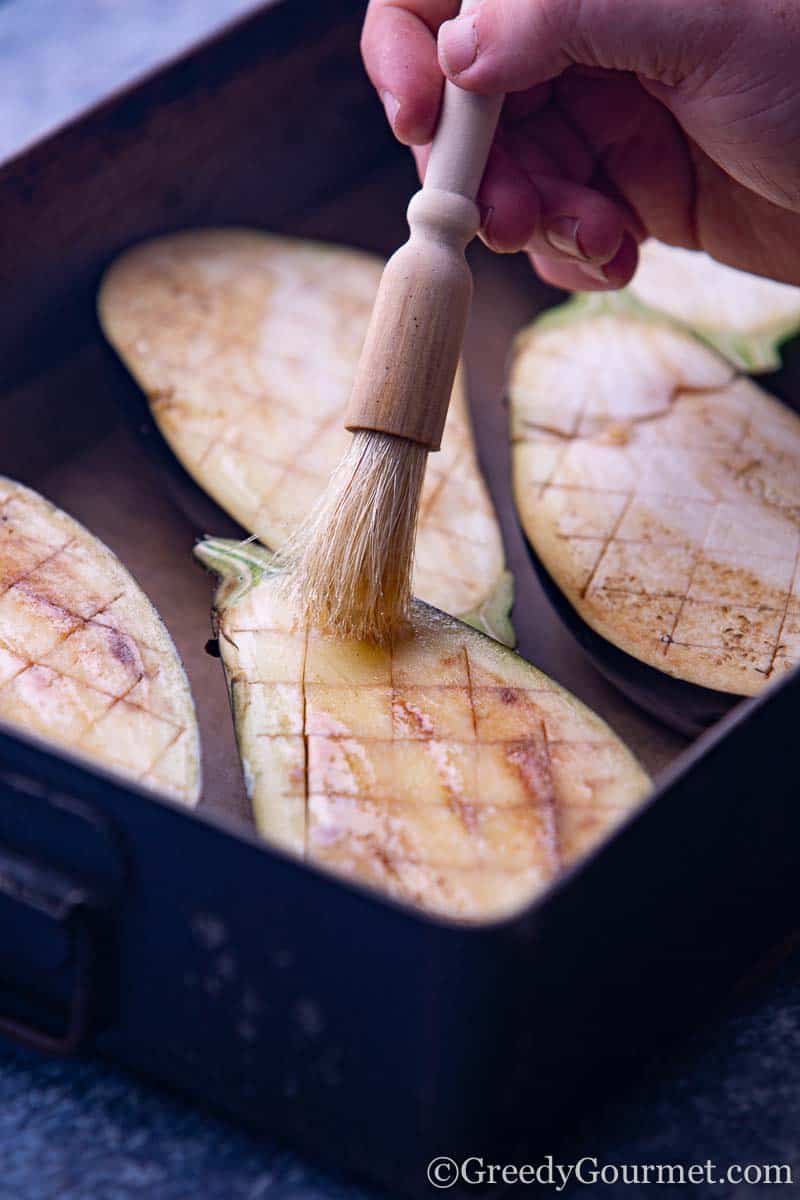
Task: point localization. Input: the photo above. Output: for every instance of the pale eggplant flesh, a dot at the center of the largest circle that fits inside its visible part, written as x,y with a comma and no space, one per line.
661,491
745,317
85,661
685,707
445,771
246,346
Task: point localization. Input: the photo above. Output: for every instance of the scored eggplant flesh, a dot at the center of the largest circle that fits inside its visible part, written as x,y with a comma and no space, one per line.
446,771
246,346
661,491
85,660
746,317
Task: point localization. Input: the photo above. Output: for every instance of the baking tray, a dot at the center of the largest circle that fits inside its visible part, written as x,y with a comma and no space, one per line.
371,1035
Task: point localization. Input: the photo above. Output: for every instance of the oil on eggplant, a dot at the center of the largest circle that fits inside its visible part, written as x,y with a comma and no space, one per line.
660,490
85,660
447,771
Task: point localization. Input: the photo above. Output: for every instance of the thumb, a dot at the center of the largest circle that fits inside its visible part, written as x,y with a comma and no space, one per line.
512,45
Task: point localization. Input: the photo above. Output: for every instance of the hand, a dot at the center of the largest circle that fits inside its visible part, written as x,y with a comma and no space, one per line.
677,119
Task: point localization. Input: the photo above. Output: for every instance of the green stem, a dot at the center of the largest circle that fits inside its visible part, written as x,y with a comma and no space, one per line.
240,565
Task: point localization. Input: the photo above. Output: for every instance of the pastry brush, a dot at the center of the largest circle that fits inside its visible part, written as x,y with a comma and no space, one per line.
350,564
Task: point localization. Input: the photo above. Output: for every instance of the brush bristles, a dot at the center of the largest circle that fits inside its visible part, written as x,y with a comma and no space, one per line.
348,567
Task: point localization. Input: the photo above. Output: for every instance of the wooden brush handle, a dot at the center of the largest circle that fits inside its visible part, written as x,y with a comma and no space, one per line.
463,138
409,360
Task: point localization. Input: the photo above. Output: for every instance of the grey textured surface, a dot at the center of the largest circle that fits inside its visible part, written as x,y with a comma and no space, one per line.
82,1131
60,56
79,1131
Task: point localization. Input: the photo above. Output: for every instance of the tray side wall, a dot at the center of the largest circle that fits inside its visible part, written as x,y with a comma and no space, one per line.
168,153
366,1034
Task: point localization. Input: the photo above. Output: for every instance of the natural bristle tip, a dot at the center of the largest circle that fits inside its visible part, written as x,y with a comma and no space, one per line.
348,568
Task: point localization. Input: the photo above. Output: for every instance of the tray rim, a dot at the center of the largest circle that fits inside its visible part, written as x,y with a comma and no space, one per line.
557,930
674,773
680,767
41,143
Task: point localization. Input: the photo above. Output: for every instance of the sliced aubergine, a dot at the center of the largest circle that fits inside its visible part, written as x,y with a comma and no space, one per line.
85,661
446,771
745,317
661,492
246,346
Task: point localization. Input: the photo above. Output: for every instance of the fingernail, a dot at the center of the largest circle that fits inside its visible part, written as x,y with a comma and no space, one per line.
598,274
563,234
486,213
458,44
392,106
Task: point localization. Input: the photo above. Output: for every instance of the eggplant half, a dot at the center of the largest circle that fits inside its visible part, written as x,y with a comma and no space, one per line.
445,771
246,346
85,660
746,317
661,492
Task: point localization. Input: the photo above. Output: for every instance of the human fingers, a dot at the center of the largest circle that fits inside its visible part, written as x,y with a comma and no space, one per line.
527,204
577,277
398,45
511,45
